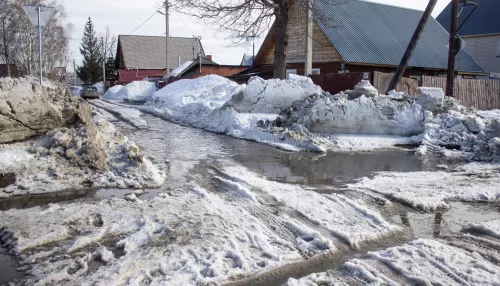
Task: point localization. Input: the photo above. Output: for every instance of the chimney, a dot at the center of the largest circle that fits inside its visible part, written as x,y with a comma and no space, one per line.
209,57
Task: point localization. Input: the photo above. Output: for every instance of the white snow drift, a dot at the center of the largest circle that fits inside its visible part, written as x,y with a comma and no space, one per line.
134,91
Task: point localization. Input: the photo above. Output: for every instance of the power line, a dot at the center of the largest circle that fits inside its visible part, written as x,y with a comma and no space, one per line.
144,22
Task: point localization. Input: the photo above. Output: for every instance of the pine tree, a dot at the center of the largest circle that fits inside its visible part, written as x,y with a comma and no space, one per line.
91,70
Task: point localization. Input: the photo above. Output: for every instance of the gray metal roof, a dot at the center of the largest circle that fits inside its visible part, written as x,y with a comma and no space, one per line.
373,33
484,20
148,52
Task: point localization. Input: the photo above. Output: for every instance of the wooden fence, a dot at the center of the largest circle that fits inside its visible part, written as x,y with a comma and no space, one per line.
334,83
381,82
482,94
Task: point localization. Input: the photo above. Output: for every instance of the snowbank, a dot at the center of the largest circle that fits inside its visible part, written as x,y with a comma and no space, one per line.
100,87
274,95
432,190
90,153
114,93
134,91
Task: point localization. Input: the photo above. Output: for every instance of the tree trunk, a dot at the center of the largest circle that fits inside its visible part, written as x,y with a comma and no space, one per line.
281,39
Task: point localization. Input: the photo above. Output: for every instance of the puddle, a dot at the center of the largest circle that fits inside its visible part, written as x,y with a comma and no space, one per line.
8,268
459,215
28,201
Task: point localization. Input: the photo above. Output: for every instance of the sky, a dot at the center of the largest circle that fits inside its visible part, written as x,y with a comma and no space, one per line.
124,16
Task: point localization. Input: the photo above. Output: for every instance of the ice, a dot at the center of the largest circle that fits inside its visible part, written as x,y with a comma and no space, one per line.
330,278
11,160
114,93
274,95
353,142
190,237
425,262
491,227
348,220
431,190
179,69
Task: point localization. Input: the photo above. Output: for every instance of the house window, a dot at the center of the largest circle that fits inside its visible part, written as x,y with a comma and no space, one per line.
416,77
316,71
498,47
290,71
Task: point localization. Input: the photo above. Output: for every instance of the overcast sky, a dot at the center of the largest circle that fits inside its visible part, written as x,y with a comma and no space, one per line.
123,16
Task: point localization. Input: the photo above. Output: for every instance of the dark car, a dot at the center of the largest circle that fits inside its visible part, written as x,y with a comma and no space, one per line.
89,92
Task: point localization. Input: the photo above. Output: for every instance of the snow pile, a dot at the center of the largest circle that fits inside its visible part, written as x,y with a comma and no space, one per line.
114,93
349,221
425,262
175,72
379,115
330,278
432,190
100,87
89,154
491,227
364,87
191,237
137,91
274,95
430,98
476,134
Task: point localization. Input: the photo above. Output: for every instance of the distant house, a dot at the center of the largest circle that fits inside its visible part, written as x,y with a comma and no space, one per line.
208,66
365,37
481,32
143,57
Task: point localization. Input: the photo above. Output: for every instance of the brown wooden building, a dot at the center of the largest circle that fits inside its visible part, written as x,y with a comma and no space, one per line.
209,67
363,37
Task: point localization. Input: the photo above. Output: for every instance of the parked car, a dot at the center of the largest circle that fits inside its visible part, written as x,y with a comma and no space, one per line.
89,92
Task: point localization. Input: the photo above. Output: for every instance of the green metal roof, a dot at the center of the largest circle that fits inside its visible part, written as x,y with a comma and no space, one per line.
373,33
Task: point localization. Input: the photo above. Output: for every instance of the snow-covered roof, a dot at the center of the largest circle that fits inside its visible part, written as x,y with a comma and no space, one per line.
178,70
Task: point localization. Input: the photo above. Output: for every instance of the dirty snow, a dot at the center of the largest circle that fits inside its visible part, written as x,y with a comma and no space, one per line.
354,142
431,190
114,93
425,262
130,115
350,221
11,160
491,227
185,238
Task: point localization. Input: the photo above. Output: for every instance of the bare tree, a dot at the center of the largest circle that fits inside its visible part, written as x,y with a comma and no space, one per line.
19,42
242,19
109,41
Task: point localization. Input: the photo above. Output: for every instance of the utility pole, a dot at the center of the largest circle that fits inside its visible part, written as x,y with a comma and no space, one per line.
103,64
74,73
452,52
38,9
308,46
411,46
199,49
167,70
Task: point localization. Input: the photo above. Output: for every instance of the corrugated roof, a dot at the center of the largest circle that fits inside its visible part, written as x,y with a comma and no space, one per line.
373,33
484,20
148,52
